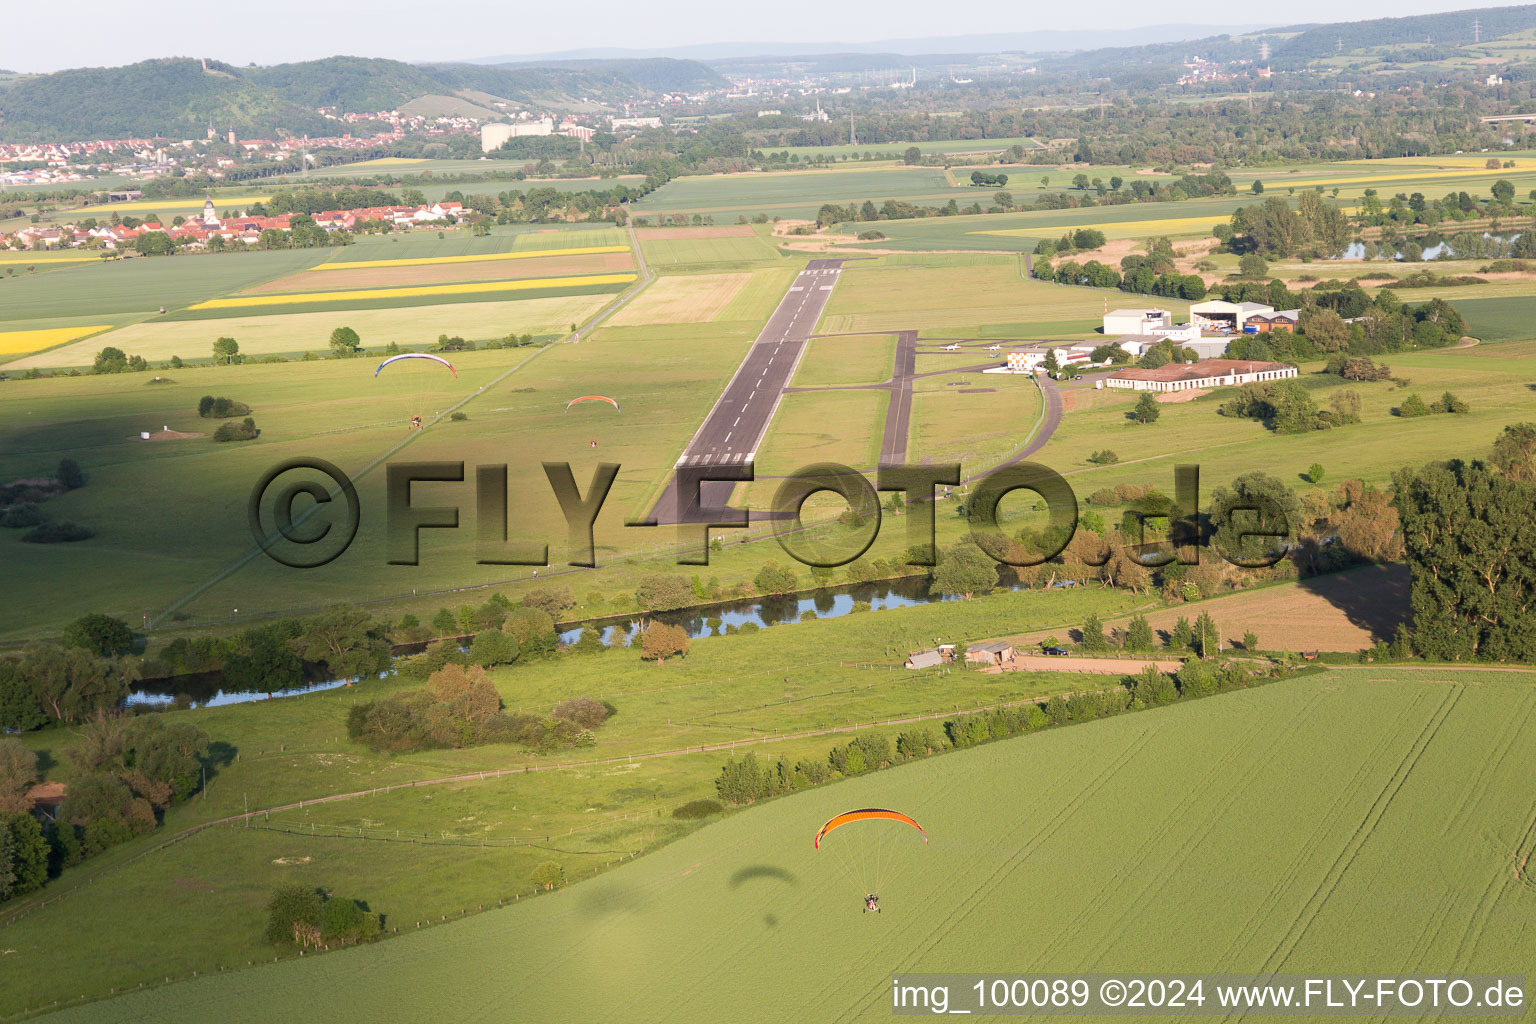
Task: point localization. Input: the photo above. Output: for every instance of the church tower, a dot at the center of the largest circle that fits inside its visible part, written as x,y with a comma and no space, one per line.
210,218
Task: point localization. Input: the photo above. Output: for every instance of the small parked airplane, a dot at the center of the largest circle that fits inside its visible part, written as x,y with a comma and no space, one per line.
994,348
951,348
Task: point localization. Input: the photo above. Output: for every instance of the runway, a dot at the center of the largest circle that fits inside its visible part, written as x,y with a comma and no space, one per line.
735,426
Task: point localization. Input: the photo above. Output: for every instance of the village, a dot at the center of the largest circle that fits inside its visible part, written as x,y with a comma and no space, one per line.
209,230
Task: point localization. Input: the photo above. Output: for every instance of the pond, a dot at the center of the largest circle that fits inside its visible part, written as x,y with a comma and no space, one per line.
210,689
1434,246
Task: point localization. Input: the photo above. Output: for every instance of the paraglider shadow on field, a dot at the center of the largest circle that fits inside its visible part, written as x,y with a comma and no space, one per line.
767,871
753,871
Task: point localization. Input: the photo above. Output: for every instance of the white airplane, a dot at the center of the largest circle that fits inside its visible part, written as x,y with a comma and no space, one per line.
994,348
951,348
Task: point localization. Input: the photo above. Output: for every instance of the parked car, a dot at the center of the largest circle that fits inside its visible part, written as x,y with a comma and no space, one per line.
1056,652
1078,377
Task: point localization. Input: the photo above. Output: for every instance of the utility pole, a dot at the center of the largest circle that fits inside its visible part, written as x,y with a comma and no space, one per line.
1477,30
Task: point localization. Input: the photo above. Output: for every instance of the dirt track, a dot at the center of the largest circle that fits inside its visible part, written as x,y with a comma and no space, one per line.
1097,666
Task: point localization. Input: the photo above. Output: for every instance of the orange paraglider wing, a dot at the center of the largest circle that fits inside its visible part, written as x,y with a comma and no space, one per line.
866,814
592,398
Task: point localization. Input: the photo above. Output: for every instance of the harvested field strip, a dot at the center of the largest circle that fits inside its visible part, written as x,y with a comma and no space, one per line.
479,257
364,275
694,299
368,295
16,342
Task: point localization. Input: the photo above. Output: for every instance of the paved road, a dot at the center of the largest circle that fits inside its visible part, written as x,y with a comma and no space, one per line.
736,425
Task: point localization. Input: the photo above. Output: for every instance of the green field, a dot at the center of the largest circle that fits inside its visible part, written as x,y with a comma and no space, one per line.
1272,830
295,749
296,329
798,193
1498,319
989,300
709,255
86,291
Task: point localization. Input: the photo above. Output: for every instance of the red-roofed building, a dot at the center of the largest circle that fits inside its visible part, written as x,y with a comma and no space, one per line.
1209,373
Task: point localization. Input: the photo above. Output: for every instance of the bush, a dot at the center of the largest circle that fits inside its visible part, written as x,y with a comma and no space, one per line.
1413,406
1104,457
99,634
209,407
549,875
584,711
344,922
23,515
458,417
695,809
659,642
242,431
293,915
58,533
492,647
70,475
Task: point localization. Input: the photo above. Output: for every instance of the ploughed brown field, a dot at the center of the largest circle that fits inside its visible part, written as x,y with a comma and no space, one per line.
1348,611
446,273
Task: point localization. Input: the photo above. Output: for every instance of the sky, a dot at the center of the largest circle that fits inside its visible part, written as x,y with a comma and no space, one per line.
106,32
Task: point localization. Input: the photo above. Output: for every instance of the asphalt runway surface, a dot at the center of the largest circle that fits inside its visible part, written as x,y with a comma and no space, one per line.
735,427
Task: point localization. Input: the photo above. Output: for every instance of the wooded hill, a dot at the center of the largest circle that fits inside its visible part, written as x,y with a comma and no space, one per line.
176,97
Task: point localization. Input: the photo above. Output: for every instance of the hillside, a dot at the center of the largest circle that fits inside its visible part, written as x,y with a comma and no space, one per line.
660,74
173,97
1454,28
176,97
1161,840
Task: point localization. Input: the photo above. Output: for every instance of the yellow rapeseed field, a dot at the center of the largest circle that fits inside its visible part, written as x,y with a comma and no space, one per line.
479,257
370,294
1139,228
16,342
40,259
170,205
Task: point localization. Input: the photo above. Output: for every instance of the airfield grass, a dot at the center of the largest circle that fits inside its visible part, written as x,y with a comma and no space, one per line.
1494,379
821,426
859,359
1158,836
997,424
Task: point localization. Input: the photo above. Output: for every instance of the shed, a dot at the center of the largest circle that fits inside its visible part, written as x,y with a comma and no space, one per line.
994,653
924,659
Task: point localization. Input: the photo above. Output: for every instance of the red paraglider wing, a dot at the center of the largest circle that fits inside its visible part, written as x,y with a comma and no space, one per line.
592,398
866,814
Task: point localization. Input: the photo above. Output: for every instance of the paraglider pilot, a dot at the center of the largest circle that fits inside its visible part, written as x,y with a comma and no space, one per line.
871,902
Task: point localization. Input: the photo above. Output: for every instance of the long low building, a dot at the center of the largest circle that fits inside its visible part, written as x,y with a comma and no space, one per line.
1208,373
